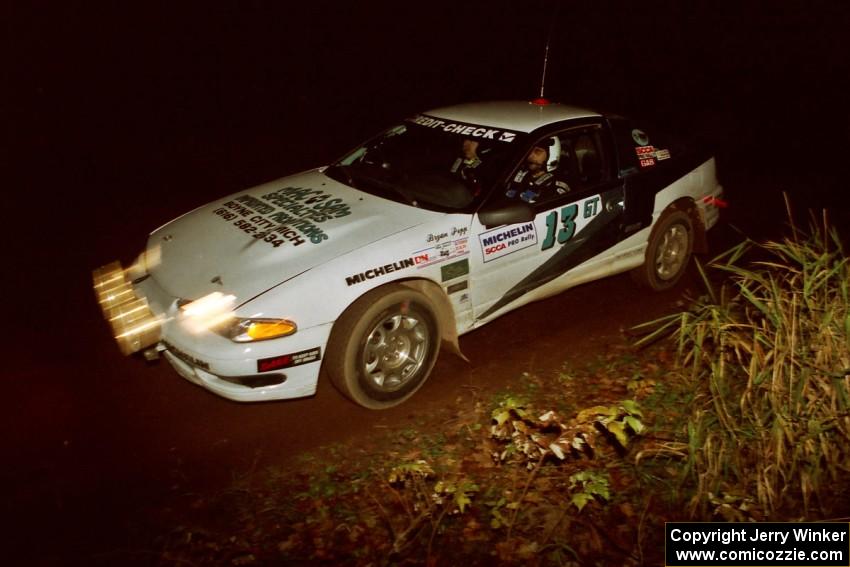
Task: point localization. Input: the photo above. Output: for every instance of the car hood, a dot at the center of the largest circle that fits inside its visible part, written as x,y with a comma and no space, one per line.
302,221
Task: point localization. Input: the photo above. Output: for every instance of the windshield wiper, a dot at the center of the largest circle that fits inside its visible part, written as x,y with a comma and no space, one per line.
357,178
386,186
337,171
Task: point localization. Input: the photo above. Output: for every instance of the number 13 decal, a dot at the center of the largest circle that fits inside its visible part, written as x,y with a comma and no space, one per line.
568,222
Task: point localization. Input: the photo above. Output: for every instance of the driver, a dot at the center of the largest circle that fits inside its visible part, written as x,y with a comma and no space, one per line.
464,166
535,178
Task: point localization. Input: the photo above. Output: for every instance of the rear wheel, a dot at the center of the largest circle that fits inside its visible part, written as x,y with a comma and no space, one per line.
384,346
668,252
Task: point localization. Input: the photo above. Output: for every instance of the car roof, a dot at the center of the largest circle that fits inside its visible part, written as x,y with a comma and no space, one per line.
522,116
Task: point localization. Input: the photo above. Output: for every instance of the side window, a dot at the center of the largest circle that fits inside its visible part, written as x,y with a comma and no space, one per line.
557,166
535,178
583,160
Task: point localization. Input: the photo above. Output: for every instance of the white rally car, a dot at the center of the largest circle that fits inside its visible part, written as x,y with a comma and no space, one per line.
438,225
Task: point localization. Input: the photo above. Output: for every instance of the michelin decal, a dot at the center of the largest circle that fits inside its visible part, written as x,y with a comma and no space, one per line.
507,239
385,269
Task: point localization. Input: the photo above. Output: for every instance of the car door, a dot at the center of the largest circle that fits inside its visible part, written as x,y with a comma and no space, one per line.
564,234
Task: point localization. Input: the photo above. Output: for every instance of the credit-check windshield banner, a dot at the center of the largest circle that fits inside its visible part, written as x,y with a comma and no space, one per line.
476,131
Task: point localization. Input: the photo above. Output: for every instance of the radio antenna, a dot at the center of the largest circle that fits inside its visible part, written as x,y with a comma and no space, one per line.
546,53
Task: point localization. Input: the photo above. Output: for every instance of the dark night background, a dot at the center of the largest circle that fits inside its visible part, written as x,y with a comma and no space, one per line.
178,103
121,116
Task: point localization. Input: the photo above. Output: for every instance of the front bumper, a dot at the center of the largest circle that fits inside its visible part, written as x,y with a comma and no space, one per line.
146,318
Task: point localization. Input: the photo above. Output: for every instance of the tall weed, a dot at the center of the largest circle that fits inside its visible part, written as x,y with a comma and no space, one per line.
768,354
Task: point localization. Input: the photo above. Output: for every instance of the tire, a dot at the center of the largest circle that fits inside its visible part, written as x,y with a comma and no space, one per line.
384,346
668,252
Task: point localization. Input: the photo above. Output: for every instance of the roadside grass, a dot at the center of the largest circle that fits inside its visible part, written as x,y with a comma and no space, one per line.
767,354
737,409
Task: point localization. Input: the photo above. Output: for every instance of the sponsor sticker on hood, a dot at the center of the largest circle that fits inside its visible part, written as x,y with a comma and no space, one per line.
288,214
260,237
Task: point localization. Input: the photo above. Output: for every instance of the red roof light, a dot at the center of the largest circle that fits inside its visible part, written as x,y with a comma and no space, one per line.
541,101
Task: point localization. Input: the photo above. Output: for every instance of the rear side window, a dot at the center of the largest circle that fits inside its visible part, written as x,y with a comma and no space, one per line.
638,148
583,162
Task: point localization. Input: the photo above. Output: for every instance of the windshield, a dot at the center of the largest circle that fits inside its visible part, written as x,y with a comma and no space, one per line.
429,163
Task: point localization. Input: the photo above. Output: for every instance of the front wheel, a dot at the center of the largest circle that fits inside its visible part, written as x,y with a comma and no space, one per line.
668,252
384,346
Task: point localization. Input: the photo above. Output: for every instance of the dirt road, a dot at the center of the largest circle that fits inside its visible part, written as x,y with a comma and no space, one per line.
97,438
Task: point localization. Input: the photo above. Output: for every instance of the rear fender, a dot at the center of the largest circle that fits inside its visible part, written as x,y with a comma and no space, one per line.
687,205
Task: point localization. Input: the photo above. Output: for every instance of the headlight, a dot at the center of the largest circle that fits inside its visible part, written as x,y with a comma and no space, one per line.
214,312
209,312
247,330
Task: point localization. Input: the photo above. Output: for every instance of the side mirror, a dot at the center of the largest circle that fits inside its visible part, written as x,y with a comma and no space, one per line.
512,213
